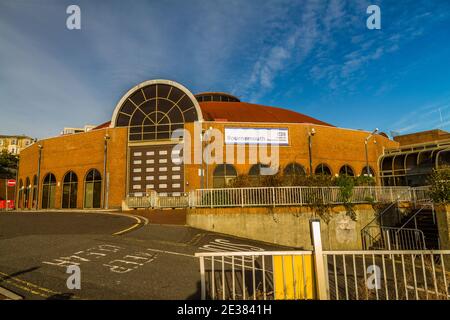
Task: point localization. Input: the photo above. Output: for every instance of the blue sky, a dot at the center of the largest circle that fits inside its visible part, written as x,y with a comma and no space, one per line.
315,57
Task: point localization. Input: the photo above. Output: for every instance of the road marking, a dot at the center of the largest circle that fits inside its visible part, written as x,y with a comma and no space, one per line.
223,245
173,253
138,224
30,287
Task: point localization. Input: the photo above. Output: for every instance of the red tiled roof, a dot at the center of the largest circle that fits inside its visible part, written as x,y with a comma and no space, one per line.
248,112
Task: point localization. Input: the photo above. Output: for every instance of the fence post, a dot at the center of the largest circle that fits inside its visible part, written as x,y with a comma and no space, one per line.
273,196
242,197
319,266
191,199
202,278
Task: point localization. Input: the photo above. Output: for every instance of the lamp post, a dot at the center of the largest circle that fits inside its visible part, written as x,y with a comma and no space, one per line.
366,141
40,147
310,135
105,175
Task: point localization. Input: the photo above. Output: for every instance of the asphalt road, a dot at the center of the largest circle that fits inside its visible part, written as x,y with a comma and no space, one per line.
119,257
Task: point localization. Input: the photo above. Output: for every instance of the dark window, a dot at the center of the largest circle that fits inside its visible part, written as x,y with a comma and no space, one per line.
347,171
35,188
371,172
323,169
27,192
294,169
155,111
93,189
48,191
70,186
223,174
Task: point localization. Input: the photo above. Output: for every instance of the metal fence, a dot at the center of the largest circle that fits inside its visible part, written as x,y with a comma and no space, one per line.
349,275
154,200
377,237
254,276
387,275
325,275
288,196
275,196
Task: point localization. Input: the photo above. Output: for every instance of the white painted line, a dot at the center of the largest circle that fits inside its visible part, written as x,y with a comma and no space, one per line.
9,294
173,253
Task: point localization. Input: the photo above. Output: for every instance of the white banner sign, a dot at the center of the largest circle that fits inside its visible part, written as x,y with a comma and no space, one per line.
278,136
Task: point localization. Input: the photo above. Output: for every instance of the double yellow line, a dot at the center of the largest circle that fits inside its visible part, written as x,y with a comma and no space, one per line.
141,221
28,286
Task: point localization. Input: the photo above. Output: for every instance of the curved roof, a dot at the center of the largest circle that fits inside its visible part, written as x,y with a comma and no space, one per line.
216,96
248,112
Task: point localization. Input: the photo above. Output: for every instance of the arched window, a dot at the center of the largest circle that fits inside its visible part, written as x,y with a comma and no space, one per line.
48,191
93,189
27,191
371,172
255,172
154,111
223,174
20,196
69,194
346,170
34,190
294,169
323,169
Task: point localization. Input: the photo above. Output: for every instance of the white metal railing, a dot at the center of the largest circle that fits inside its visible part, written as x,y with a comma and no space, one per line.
389,238
388,275
273,196
253,275
325,275
349,275
288,196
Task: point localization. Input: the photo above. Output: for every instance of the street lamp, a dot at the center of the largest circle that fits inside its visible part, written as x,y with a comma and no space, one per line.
105,175
38,178
366,141
310,135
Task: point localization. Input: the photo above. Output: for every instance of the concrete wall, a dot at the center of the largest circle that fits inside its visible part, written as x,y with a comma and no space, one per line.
287,226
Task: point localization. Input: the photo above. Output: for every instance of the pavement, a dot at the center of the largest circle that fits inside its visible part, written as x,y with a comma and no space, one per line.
120,256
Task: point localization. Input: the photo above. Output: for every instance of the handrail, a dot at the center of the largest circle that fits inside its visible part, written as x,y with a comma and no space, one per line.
380,216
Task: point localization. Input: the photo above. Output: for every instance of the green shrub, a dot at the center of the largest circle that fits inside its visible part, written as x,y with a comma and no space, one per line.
439,182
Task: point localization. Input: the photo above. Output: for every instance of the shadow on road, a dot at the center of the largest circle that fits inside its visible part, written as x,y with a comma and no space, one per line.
12,275
61,296
197,294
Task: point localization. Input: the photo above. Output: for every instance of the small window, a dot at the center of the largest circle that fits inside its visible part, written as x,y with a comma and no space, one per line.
323,169
346,170
223,174
294,169
370,172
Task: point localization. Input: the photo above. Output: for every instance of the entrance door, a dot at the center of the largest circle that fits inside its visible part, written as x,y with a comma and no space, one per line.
152,169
